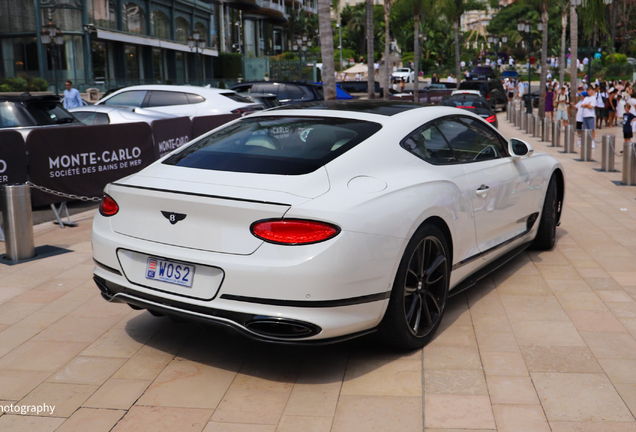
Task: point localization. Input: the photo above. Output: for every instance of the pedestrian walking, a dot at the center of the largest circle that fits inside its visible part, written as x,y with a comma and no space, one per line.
599,111
611,108
562,102
72,97
628,134
589,113
549,103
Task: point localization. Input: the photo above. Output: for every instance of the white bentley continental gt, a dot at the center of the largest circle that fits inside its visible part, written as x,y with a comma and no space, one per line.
326,222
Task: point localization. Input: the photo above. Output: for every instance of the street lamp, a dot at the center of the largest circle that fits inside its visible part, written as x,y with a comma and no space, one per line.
51,35
504,38
523,27
340,42
197,44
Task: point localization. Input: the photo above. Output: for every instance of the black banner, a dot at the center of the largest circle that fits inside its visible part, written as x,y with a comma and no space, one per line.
170,134
13,157
201,125
82,159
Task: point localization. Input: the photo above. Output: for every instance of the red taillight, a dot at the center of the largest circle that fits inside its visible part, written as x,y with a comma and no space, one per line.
466,107
294,232
243,111
488,96
108,206
491,119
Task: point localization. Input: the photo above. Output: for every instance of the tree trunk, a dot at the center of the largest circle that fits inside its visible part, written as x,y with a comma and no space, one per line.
458,70
544,60
370,52
416,55
574,41
613,25
387,61
326,49
563,62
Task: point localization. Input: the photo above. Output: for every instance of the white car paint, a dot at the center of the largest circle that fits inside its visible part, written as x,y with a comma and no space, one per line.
215,101
377,193
123,114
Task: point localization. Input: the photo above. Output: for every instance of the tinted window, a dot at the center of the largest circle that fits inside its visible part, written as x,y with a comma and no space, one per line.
195,99
49,113
131,98
466,103
265,88
292,92
236,97
101,119
482,87
275,145
85,117
427,143
167,98
471,141
11,116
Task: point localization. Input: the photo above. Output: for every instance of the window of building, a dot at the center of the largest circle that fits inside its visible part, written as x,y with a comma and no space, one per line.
17,16
133,18
98,57
20,56
180,67
203,31
132,62
157,65
104,14
160,25
181,29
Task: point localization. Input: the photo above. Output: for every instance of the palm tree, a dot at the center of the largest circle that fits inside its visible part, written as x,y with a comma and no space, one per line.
544,57
370,52
574,41
387,74
453,10
326,49
564,25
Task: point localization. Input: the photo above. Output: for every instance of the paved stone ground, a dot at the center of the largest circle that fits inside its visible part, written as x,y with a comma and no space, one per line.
547,343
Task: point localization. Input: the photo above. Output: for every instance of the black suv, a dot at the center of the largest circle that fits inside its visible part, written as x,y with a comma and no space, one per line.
26,112
286,92
491,89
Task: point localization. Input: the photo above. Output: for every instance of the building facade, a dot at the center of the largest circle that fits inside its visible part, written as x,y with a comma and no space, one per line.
115,43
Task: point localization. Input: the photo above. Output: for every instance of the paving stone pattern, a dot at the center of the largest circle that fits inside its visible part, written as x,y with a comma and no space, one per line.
547,343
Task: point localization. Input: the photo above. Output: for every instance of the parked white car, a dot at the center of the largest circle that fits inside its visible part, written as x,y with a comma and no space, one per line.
323,223
404,73
181,101
115,114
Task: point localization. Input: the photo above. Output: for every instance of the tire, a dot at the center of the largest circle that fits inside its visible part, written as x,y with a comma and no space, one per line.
546,235
418,297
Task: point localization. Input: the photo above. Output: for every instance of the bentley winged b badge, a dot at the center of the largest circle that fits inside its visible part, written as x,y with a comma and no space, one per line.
173,217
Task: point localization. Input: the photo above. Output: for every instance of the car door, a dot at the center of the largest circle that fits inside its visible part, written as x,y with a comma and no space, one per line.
498,188
171,102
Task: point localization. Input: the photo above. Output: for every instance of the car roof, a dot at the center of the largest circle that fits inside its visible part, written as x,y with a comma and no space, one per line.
180,88
383,108
470,96
26,97
307,83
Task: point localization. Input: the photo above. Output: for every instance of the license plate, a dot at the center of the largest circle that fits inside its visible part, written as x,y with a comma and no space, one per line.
170,272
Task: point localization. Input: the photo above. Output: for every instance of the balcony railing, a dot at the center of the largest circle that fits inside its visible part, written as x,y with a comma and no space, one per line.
271,5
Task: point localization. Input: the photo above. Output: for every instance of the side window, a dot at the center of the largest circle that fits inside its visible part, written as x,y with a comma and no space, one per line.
194,98
131,98
428,143
488,136
101,119
167,98
266,88
85,117
292,92
470,141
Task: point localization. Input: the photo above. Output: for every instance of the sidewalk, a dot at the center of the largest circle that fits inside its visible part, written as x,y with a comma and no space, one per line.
547,343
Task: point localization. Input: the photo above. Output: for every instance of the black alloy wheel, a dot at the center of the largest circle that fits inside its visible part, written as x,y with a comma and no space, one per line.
420,291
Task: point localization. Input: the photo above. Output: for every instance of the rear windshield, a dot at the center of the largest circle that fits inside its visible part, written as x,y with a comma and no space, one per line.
472,85
465,103
275,145
236,97
49,113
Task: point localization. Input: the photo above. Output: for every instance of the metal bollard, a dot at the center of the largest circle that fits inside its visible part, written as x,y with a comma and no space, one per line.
508,110
586,146
607,155
556,133
17,222
519,115
629,164
568,142
514,116
530,125
537,127
546,130
524,122
511,119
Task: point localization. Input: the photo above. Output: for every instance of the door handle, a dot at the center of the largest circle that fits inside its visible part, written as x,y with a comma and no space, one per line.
482,191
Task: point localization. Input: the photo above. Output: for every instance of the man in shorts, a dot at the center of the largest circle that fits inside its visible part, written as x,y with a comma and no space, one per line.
627,124
579,114
589,116
561,103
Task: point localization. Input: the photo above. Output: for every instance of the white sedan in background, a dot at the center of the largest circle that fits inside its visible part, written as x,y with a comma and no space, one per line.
406,74
182,101
114,114
321,223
